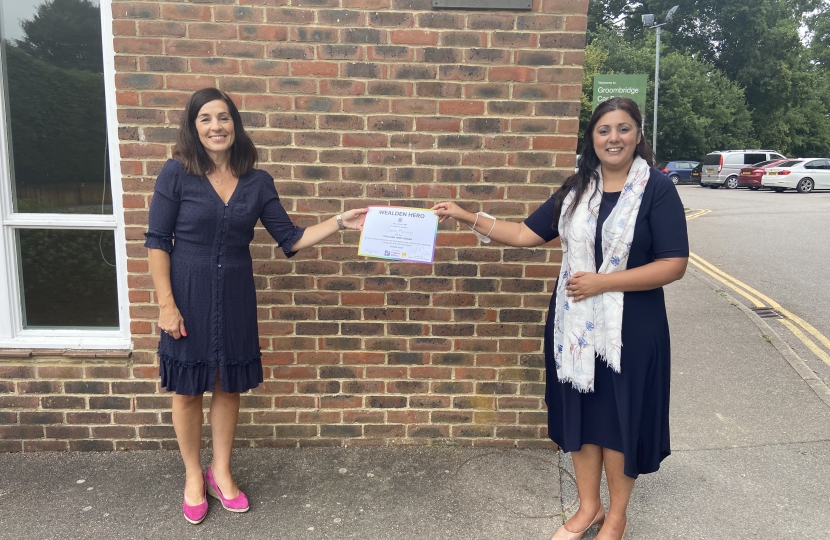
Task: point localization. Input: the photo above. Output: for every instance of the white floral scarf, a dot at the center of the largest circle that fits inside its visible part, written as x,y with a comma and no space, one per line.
582,330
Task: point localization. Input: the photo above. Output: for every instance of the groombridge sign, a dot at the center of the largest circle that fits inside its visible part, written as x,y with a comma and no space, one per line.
630,86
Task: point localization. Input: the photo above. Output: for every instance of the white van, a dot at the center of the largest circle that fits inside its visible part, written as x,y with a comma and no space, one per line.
722,168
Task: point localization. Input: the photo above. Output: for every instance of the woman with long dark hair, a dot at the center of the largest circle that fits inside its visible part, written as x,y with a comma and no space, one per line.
206,202
607,353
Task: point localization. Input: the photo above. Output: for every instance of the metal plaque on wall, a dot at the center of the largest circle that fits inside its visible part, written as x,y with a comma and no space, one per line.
516,5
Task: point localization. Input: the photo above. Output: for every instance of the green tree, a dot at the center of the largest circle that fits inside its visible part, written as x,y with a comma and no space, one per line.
819,25
734,34
595,58
608,13
57,119
757,44
66,34
700,110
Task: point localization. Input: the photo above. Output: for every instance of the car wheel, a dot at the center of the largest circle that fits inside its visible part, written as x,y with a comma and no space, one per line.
780,189
675,179
731,182
806,185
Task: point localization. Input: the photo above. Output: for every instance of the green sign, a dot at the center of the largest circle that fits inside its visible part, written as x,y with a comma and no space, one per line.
630,86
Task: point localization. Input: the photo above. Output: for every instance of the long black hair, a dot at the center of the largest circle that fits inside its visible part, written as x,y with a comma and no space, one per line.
189,149
589,161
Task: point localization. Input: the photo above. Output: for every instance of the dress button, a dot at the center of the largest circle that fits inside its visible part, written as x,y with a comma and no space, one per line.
219,265
226,204
224,217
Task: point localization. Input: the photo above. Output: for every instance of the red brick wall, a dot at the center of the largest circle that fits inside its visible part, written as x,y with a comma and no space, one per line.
350,102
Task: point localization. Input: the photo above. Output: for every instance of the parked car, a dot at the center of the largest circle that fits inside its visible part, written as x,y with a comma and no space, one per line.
722,168
751,176
803,175
679,171
696,173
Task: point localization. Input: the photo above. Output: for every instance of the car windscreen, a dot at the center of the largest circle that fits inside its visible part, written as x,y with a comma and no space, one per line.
662,165
712,159
763,163
789,163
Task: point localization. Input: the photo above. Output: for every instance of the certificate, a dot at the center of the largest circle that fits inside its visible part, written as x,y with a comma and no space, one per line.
399,234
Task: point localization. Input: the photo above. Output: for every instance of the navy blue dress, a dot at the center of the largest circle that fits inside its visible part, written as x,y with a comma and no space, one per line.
212,276
627,411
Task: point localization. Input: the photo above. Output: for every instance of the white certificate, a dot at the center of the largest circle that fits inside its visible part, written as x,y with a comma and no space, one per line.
400,234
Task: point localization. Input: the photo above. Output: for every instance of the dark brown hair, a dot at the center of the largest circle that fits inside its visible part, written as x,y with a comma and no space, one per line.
189,149
589,161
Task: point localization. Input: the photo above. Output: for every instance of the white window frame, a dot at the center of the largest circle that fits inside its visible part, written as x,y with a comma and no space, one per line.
12,333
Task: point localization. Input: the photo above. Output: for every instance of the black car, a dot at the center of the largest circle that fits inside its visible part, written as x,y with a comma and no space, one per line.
680,172
695,177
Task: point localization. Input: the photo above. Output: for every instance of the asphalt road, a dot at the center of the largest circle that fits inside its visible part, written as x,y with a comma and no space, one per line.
777,243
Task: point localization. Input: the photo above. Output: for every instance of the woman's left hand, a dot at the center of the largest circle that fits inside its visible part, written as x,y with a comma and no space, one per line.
583,285
354,219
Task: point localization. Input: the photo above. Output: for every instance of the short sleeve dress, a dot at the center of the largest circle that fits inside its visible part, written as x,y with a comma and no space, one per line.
212,277
627,411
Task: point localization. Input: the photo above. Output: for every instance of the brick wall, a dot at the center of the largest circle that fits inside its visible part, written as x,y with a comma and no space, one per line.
350,102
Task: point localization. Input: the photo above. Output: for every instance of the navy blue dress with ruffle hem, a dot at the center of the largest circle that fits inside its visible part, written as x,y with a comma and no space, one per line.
211,273
627,411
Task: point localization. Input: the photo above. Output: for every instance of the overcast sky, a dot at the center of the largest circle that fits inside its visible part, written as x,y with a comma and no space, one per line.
12,11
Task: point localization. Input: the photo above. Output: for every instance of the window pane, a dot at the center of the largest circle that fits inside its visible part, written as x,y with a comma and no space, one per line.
53,70
68,278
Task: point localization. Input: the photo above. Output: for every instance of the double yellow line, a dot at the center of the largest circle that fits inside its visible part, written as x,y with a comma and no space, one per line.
696,214
758,299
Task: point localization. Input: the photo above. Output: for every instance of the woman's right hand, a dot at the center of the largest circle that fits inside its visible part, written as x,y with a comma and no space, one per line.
446,210
171,322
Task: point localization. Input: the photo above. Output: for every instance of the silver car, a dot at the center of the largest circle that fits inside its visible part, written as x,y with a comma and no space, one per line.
722,168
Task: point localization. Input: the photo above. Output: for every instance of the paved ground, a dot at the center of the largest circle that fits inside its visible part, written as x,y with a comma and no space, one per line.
777,243
751,458
750,438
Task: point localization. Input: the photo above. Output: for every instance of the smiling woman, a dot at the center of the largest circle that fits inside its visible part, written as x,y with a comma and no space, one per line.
211,139
205,205
623,234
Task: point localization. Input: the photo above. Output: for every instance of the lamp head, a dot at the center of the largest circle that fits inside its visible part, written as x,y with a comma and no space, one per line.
648,20
671,13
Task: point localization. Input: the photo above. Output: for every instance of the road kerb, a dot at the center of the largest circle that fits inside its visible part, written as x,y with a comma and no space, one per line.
795,361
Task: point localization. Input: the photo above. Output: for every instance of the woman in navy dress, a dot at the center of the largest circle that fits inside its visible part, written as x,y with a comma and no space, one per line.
619,418
206,203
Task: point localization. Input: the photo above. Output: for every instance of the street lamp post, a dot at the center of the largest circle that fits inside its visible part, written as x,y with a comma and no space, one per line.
648,22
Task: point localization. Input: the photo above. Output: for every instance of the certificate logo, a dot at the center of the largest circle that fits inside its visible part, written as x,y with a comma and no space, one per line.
386,253
400,220
403,255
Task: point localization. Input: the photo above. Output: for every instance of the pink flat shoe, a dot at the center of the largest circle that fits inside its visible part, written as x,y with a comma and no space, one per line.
237,504
564,534
196,513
